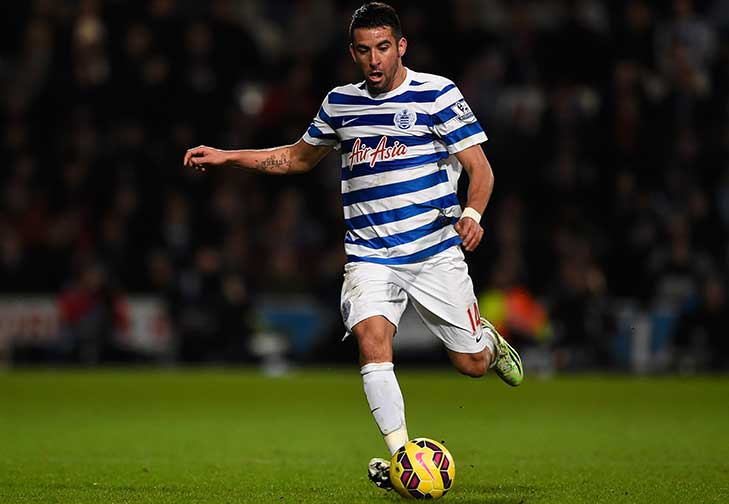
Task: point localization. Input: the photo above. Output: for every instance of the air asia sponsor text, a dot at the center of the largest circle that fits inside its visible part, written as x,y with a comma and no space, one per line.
361,153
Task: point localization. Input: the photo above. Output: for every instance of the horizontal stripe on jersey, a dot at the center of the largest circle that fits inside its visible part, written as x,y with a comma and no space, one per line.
388,190
406,97
352,120
444,115
402,213
410,258
317,133
325,117
397,227
380,205
377,178
462,132
476,139
404,249
406,236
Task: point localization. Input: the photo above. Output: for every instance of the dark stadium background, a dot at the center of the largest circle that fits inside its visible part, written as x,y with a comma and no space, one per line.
606,236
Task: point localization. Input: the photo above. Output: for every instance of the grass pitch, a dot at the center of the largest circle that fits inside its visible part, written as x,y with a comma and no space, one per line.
234,436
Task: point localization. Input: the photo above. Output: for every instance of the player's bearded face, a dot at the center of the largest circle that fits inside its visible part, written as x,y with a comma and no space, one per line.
379,56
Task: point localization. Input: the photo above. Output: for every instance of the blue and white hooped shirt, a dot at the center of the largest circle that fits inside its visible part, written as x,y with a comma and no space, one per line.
399,170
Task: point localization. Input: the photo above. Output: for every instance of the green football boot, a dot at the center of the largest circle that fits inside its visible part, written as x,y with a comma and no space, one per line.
508,363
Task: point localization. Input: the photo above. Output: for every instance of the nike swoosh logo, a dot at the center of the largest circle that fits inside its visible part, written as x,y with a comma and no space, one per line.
372,411
347,121
419,458
479,338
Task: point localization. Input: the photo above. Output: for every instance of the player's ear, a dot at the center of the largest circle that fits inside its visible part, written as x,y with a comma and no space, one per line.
402,46
351,53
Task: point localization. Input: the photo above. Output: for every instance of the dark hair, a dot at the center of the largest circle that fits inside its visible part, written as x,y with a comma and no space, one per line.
375,15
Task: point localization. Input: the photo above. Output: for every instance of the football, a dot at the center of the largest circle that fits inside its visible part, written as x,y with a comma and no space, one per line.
422,469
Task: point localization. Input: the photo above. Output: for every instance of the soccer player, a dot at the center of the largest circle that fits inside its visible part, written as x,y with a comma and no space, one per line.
404,138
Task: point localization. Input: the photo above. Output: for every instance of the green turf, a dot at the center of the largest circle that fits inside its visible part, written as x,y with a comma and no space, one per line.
234,436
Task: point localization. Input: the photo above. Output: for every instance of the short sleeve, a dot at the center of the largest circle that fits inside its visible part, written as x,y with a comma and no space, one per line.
320,131
454,121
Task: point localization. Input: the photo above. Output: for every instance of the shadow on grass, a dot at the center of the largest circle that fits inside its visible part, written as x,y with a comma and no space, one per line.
499,494
485,494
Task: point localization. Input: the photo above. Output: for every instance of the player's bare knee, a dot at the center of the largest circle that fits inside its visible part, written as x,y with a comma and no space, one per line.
373,350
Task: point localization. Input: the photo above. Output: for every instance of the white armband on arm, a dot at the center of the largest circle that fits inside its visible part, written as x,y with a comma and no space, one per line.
470,212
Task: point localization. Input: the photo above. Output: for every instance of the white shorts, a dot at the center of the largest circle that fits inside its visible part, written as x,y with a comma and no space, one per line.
439,289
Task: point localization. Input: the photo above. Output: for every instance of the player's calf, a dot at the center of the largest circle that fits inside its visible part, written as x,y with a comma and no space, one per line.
474,365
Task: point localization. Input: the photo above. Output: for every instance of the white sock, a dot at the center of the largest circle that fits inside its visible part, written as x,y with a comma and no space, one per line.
490,344
386,403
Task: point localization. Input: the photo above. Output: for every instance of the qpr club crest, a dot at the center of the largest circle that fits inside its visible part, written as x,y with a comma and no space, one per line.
405,119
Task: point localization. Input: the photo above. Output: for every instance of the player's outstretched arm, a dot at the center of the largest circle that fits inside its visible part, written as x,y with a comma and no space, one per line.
296,158
480,185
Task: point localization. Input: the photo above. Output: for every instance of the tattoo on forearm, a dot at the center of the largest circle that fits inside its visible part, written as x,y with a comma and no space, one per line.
273,163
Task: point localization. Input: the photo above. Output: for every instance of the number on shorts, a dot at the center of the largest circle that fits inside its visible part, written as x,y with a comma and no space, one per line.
475,321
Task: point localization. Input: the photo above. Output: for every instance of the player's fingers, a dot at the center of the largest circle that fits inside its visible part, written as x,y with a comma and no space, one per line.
465,240
473,238
464,227
188,158
198,163
196,152
471,243
470,233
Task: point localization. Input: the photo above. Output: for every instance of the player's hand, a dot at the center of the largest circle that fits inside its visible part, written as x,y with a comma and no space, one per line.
470,232
203,157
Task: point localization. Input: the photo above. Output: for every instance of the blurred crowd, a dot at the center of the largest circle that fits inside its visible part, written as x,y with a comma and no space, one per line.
609,139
